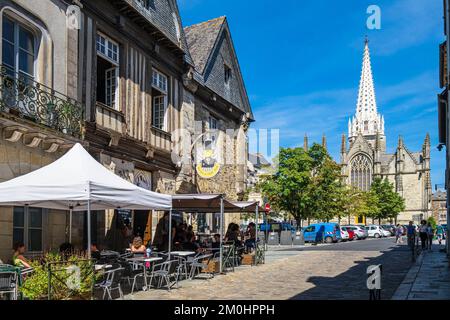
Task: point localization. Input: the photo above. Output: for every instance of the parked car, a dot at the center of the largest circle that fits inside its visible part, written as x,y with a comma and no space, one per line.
351,233
375,231
385,232
360,232
318,232
344,235
390,228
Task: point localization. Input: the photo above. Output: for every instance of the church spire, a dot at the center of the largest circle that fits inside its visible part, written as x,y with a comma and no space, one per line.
324,142
367,120
305,143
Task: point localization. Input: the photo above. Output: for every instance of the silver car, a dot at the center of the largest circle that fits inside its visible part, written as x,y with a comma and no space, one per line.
360,232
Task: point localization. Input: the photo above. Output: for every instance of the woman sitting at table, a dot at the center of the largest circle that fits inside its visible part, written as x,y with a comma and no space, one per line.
137,246
18,259
233,234
250,243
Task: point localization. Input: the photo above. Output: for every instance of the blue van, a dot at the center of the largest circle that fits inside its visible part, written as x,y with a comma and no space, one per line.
319,232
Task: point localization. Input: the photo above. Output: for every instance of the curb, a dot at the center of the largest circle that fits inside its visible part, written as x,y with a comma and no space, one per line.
403,290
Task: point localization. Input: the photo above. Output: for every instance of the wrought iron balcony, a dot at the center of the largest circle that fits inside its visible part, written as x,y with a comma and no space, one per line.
22,96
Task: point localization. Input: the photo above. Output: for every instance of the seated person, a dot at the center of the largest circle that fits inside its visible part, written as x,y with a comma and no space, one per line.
66,249
216,244
250,243
95,253
18,259
137,246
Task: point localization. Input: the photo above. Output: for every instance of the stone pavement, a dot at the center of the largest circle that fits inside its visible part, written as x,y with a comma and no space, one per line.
428,278
334,272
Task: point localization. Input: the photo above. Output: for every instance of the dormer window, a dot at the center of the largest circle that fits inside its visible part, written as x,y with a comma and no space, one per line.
228,74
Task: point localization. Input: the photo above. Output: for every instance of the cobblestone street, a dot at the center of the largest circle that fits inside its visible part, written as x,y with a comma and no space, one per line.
335,271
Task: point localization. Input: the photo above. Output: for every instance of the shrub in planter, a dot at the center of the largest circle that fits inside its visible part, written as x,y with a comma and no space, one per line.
71,278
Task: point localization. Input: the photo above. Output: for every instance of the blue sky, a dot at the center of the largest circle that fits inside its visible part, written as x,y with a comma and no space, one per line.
301,62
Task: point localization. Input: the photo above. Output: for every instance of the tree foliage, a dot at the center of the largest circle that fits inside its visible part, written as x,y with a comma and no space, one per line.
308,185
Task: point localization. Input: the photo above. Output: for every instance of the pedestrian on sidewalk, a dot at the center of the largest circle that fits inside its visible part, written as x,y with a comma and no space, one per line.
440,234
430,233
423,234
399,234
411,234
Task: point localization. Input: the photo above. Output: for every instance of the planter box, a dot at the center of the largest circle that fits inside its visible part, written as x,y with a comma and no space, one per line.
213,267
248,259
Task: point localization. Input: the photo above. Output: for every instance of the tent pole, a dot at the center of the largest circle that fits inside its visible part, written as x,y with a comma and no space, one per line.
89,240
221,233
170,232
70,224
256,233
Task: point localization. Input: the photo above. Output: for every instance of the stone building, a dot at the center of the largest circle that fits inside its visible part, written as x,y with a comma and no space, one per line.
439,206
365,157
137,89
443,102
40,113
221,111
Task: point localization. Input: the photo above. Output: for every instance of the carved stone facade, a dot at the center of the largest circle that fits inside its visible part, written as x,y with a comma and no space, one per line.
366,158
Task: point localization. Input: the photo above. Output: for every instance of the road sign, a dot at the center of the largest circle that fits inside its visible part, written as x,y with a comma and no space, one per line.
267,207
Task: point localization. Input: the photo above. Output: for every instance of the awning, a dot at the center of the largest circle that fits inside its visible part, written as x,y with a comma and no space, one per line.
210,203
74,180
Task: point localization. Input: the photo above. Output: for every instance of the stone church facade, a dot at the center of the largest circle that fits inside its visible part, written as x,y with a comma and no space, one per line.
364,156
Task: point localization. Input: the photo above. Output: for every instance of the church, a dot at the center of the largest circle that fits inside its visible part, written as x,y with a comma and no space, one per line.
364,156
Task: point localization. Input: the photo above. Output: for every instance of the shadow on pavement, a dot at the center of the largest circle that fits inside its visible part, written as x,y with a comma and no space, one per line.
351,285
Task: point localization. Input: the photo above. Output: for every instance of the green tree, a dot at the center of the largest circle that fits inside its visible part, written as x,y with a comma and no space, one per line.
386,203
288,189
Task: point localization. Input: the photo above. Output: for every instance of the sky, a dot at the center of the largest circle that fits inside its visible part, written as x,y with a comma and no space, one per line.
301,62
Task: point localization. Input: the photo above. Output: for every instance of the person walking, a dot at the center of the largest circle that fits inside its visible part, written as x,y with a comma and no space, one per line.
430,233
440,234
423,234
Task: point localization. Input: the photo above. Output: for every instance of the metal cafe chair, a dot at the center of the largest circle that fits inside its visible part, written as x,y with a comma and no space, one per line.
9,284
164,272
198,263
111,282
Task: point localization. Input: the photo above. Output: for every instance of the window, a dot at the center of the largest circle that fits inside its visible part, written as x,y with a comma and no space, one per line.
107,71
18,48
310,229
107,48
227,72
27,227
159,94
159,81
361,172
212,123
159,112
146,4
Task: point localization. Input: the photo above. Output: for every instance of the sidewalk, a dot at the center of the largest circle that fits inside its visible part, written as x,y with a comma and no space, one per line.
428,278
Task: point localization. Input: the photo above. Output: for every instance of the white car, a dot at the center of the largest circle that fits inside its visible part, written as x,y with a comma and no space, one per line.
360,231
344,235
386,233
375,231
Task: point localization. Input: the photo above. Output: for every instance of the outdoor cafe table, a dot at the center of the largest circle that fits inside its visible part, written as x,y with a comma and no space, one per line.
183,253
144,260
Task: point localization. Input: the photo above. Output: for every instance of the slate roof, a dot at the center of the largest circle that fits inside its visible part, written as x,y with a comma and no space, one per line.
258,160
201,39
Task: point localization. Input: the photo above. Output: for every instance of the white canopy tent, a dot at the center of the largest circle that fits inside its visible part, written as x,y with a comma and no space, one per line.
77,182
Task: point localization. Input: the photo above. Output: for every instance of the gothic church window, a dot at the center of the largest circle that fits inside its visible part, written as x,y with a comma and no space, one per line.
361,172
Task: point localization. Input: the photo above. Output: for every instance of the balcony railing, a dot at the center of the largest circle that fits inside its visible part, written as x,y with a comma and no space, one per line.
21,95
